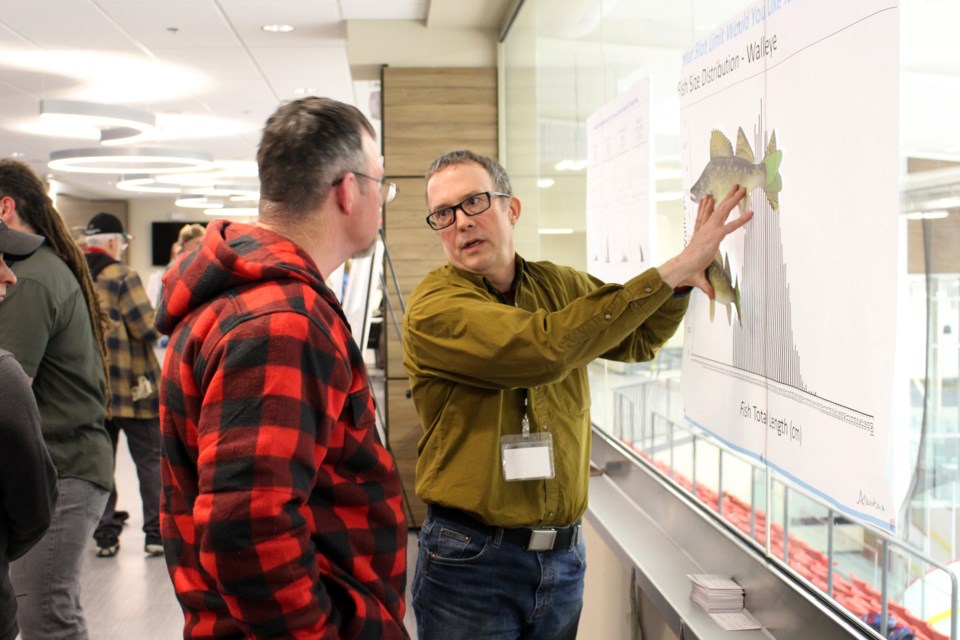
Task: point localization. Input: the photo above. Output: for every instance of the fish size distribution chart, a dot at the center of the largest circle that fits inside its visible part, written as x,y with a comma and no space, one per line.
802,375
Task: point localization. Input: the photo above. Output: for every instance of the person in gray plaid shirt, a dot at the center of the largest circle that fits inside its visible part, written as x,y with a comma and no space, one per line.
134,373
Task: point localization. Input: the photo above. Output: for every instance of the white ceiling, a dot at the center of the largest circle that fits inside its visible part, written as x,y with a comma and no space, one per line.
212,76
205,67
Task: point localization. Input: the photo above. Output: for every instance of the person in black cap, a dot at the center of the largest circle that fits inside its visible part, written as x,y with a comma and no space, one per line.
28,479
53,324
17,245
106,224
134,374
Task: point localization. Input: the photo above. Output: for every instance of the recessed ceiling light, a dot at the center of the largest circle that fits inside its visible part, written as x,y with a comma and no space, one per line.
302,91
277,28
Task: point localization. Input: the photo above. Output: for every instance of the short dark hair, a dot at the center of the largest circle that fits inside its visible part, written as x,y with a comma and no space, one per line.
306,145
501,180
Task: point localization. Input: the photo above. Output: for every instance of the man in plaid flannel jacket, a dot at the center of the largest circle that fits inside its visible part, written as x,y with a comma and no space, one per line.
134,375
281,510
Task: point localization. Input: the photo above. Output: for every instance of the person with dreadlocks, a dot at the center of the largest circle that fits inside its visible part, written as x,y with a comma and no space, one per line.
53,323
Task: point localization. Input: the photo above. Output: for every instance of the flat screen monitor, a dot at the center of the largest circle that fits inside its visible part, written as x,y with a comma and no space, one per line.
162,237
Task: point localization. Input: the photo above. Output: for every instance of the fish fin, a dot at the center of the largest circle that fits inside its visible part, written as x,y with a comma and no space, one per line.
774,199
744,150
772,143
719,144
771,162
713,306
776,185
774,182
726,270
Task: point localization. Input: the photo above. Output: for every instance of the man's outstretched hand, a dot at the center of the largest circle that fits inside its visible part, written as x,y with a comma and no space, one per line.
689,268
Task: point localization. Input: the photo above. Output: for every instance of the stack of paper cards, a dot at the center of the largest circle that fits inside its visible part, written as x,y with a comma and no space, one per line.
715,593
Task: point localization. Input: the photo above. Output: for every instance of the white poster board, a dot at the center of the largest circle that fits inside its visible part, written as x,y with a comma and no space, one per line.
363,293
620,227
802,375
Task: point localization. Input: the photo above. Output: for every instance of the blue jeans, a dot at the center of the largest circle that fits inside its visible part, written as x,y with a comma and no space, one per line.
471,586
48,576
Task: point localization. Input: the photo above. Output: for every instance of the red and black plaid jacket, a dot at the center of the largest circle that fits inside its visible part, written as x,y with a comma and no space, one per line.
281,511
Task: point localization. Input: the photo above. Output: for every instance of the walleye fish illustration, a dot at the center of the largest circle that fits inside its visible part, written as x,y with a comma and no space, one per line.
726,169
726,292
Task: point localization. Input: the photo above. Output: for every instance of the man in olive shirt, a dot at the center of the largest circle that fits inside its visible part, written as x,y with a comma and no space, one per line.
496,349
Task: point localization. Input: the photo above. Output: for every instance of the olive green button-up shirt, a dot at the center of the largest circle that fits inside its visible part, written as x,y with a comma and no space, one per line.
472,358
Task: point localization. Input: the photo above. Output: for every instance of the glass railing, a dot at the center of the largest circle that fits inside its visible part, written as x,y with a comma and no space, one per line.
854,567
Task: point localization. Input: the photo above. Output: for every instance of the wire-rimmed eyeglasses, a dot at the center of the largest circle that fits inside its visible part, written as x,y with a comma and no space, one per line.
474,205
388,190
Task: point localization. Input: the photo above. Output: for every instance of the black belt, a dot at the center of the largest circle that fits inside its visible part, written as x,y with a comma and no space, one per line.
529,538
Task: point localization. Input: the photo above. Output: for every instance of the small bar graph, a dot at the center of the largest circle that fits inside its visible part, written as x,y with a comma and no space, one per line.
764,343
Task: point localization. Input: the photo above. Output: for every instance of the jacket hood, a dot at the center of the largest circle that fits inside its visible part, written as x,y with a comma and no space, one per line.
232,255
97,261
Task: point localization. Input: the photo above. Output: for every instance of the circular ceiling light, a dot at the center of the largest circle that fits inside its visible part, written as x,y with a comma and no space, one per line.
146,184
277,28
124,160
198,202
116,124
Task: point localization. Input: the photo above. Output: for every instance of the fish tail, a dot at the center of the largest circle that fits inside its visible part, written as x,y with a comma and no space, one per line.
774,182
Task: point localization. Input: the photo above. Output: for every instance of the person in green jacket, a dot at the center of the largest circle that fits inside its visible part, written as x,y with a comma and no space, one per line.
497,348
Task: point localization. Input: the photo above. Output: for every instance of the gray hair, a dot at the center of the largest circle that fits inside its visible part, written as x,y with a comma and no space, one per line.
100,240
493,168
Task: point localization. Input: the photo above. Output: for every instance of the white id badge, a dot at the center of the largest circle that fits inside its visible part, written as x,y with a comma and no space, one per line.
529,458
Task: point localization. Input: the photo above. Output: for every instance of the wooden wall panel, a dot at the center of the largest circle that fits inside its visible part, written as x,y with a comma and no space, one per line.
429,111
426,112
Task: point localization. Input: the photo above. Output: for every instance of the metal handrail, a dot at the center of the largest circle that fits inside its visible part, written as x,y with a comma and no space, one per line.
888,542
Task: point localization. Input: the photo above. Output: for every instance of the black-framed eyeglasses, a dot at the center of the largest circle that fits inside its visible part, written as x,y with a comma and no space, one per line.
474,205
388,190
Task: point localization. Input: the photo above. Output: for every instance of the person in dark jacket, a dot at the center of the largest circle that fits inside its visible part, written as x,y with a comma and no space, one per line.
53,324
28,479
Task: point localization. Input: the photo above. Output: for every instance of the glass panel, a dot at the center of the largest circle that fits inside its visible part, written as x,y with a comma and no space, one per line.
562,60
